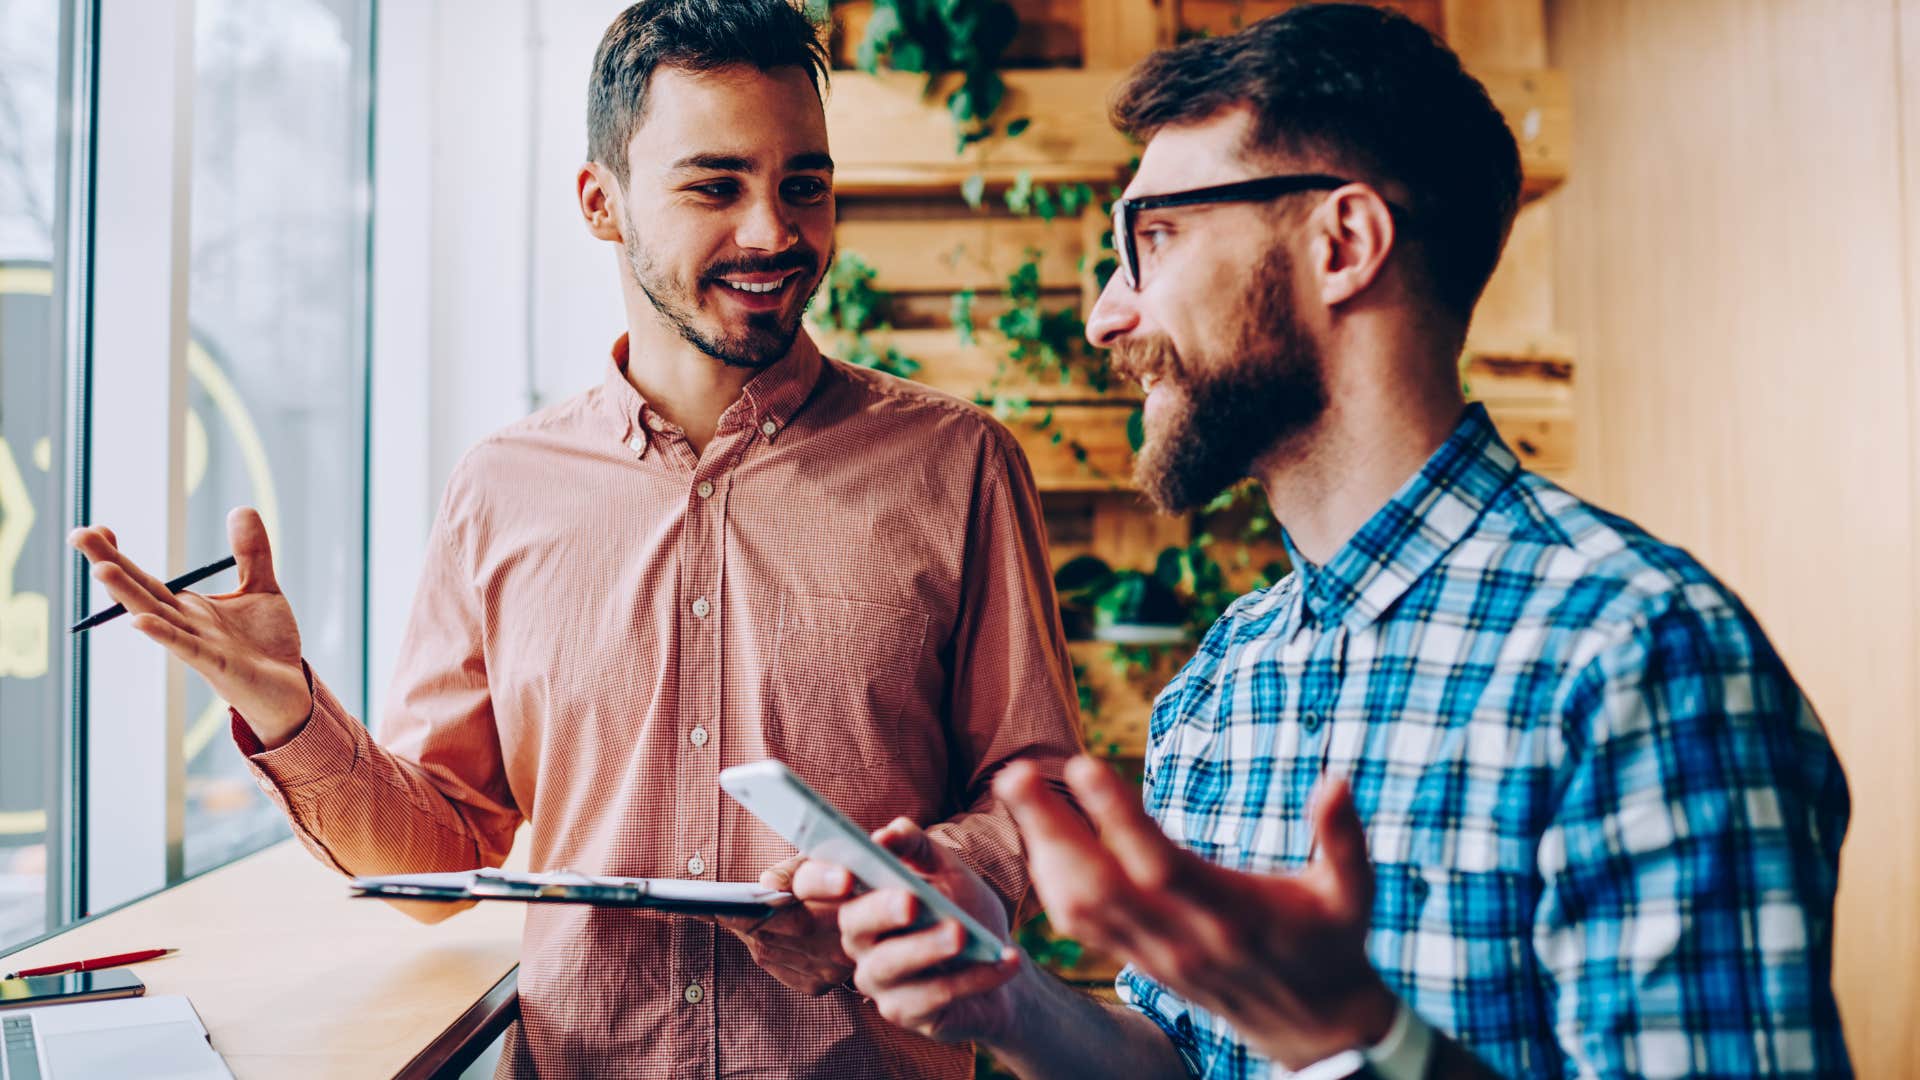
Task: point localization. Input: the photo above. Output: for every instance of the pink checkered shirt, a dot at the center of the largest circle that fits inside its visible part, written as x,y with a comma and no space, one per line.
853,578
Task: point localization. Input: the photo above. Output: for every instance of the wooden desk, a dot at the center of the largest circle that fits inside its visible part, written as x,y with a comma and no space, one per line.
295,978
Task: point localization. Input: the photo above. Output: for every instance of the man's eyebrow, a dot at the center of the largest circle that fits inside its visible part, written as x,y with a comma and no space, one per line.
813,161
713,163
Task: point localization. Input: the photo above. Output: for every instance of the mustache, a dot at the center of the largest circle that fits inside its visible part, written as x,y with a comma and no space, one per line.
1135,359
791,259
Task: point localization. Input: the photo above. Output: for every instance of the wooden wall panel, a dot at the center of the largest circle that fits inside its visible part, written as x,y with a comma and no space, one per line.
1121,33
1497,33
1736,259
887,133
959,249
1049,35
1216,17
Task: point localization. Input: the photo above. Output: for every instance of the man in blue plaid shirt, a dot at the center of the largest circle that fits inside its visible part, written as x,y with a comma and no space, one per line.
1494,783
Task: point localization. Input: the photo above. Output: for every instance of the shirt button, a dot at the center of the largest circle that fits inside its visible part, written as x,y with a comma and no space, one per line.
769,428
696,866
701,608
694,994
698,736
705,489
654,423
1311,722
637,444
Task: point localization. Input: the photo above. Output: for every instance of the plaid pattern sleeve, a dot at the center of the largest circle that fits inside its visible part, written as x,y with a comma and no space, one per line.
1605,824
1686,917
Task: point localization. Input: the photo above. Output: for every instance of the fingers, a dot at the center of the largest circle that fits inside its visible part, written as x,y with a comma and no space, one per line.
1342,844
247,535
795,921
1154,862
179,642
914,847
98,545
817,882
779,876
906,957
872,918
917,1005
1060,847
925,956
131,595
1088,894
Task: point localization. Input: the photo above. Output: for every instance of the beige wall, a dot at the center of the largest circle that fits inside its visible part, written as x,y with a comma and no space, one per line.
1737,259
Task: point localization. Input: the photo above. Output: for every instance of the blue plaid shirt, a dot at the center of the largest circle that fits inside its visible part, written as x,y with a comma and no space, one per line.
1605,823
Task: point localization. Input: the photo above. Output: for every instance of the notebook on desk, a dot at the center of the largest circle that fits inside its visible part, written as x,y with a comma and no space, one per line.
109,1040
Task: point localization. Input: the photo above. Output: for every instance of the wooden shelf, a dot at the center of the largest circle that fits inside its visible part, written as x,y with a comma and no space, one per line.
891,139
945,253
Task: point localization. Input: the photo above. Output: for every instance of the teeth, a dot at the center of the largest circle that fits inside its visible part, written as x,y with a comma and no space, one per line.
749,287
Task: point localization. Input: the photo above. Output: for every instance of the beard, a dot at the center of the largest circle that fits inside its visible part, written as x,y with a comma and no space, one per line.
1227,411
766,337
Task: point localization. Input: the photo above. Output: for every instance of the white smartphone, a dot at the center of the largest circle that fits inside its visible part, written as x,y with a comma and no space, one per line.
809,822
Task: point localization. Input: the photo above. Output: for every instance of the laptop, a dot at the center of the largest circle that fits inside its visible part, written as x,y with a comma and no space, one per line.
158,1036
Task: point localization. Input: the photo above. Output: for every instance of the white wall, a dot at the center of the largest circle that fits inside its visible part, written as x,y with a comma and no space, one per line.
489,296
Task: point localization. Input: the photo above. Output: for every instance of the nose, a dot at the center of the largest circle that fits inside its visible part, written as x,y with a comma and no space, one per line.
765,226
1115,314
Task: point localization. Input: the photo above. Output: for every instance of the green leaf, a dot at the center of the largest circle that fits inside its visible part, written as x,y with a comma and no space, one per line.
1017,128
1137,429
1082,572
962,316
973,189
1019,197
908,56
1043,204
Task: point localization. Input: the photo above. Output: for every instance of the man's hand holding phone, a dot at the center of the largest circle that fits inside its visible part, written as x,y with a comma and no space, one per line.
798,944
917,978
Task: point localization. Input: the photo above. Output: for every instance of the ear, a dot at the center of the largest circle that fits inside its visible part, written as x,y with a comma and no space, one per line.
600,202
1353,233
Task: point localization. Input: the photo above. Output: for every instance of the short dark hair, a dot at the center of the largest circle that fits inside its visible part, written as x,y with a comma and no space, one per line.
1376,94
699,35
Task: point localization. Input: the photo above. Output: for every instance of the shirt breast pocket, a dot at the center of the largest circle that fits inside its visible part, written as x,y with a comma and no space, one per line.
843,671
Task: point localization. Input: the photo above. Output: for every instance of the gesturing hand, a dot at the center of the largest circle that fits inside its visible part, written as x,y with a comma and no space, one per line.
244,643
1280,957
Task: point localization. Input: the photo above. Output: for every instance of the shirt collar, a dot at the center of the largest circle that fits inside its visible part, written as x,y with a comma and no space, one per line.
1430,514
771,397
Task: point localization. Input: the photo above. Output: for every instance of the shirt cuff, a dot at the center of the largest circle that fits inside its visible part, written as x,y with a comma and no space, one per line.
323,752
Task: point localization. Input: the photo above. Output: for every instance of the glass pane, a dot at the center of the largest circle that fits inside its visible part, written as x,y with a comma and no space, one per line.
277,361
32,474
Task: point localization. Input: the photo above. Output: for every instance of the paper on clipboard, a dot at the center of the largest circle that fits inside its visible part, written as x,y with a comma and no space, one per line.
566,887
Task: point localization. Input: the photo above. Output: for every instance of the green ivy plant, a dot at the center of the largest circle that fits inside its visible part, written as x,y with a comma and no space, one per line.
939,37
849,303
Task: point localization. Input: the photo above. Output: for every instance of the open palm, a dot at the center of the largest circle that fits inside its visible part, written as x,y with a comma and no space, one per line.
245,643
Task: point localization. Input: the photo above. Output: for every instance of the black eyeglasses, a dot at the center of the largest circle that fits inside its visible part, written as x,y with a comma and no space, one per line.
1270,187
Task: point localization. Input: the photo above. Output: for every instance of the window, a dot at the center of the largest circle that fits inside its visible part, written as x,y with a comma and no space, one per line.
116,774
32,473
277,368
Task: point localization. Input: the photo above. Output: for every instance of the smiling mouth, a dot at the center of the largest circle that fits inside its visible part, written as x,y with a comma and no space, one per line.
759,288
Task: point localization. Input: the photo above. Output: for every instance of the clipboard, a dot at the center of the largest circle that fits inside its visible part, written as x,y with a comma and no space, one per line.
674,895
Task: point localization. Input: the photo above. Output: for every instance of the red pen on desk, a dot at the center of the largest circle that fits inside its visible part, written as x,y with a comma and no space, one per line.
98,962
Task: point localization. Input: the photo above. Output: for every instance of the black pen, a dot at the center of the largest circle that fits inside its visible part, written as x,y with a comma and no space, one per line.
191,577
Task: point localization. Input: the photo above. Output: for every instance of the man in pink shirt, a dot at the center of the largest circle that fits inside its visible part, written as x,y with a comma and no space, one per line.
731,549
